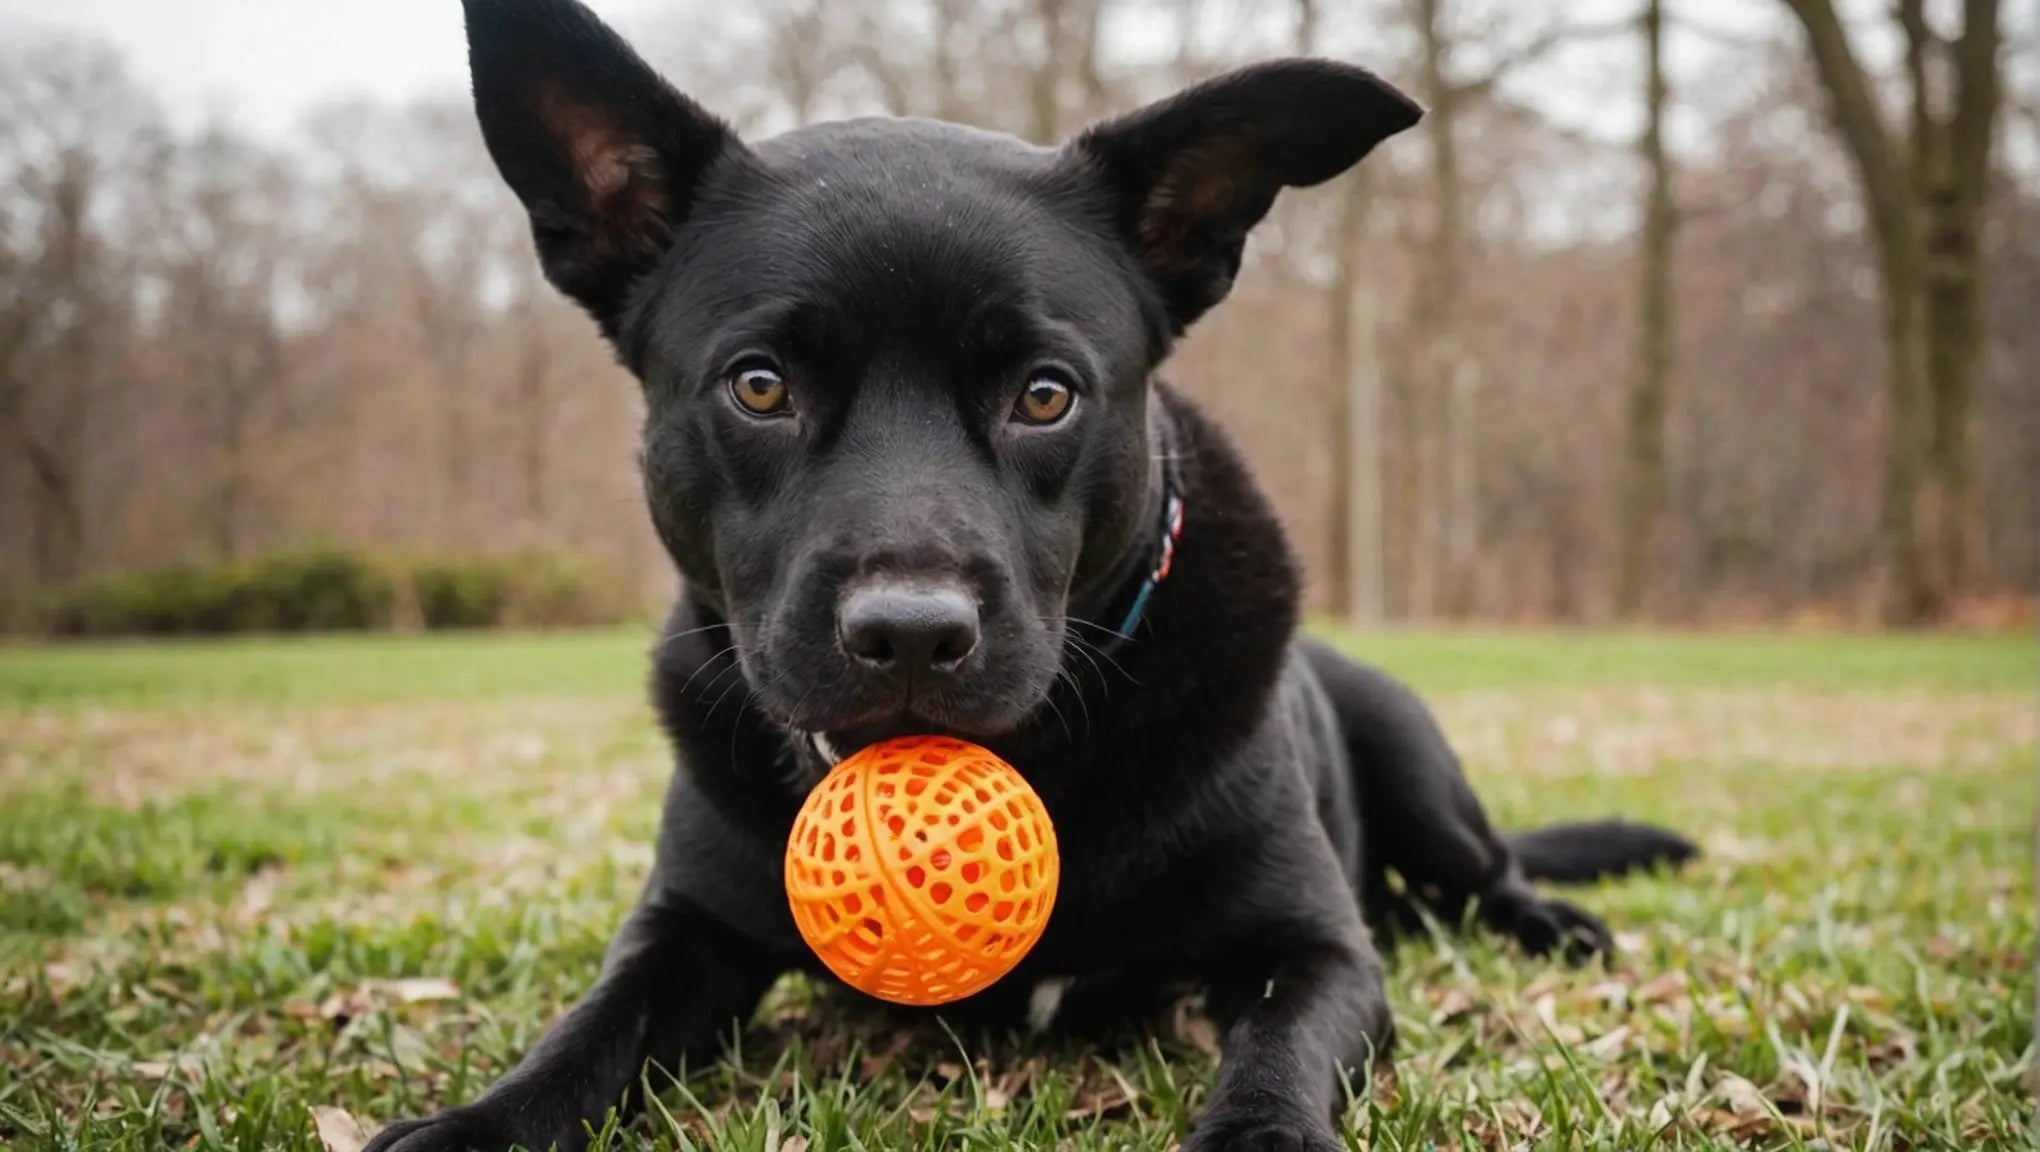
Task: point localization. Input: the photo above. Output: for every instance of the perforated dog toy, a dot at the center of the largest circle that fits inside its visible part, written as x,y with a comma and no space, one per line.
921,869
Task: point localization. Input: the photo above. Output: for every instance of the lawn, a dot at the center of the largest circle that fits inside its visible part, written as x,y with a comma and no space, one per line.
242,882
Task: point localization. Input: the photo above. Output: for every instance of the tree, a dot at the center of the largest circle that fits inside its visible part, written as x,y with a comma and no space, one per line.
1643,477
1353,522
1926,191
220,223
72,129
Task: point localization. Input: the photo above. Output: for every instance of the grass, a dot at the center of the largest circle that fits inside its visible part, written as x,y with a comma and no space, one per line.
477,666
243,881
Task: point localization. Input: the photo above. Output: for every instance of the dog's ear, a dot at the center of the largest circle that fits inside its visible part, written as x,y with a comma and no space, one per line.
603,152
1188,177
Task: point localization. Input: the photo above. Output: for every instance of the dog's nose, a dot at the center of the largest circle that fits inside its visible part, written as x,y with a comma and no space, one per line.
912,629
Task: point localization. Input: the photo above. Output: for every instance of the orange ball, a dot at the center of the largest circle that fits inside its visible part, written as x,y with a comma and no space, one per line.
921,869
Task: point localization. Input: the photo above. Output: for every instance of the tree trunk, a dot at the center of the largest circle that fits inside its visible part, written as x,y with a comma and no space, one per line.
1433,407
59,524
1927,211
1045,84
1353,419
232,473
1353,409
531,395
1887,186
1955,188
1462,486
1643,486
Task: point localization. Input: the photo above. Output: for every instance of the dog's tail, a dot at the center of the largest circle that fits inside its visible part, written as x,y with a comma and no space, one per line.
1583,853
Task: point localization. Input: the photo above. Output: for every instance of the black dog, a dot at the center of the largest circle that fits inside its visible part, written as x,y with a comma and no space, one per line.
903,443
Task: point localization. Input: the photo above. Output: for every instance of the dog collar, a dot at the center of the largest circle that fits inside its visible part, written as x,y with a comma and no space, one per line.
1172,531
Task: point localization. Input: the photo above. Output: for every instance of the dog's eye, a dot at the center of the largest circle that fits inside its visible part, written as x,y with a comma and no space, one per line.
759,390
1045,400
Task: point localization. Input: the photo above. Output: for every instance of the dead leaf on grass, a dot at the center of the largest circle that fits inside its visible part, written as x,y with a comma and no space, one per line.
1746,1098
1661,988
423,989
344,1006
1452,1005
363,999
1191,1026
338,1130
1100,1102
161,1069
1608,1045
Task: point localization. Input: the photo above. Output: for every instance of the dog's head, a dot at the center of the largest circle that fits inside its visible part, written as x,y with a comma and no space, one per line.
898,425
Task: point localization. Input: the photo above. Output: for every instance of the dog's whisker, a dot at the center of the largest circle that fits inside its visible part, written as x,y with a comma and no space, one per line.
1077,645
704,666
1077,690
1075,681
671,637
739,682
1089,648
1060,718
1092,625
717,679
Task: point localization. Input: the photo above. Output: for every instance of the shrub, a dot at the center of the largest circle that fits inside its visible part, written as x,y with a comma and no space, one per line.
558,590
332,590
318,591
458,594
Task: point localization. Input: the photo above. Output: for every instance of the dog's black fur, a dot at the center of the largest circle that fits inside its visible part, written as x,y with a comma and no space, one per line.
897,537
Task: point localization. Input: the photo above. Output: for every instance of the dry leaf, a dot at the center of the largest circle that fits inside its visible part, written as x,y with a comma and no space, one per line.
161,1069
1195,1029
1609,1045
423,989
1660,988
338,1131
1743,1096
347,1005
1099,1103
1454,1004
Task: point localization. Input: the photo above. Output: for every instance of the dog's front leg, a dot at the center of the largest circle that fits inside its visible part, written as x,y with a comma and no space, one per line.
1294,1027
674,980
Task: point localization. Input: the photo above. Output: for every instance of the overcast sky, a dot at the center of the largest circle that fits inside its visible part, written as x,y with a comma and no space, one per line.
267,61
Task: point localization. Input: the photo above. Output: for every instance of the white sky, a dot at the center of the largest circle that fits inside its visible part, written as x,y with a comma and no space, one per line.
265,62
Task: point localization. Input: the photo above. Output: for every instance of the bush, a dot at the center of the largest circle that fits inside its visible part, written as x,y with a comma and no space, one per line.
319,591
332,590
454,594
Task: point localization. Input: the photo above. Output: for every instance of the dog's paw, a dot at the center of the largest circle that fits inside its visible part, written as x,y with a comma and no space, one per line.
1253,1132
454,1130
1546,926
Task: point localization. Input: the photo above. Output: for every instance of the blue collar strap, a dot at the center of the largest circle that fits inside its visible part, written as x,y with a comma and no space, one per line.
1172,531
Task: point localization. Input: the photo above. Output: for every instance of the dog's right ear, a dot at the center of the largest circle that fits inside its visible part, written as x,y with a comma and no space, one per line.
603,152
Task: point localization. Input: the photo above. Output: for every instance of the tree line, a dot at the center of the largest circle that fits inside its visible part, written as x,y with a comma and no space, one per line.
1683,312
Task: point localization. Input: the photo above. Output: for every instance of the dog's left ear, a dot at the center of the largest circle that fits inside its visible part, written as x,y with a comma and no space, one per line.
1188,177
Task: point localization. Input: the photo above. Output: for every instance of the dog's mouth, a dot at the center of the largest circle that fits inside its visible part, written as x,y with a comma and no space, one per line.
835,745
825,748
